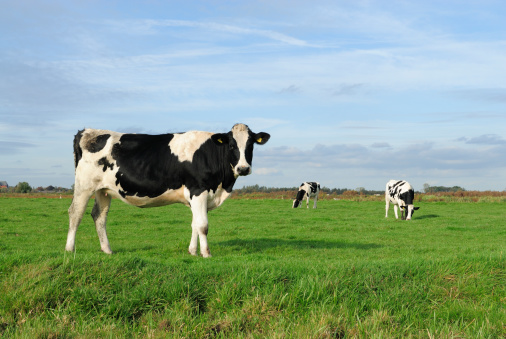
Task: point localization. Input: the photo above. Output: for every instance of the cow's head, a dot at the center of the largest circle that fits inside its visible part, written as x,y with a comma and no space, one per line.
407,211
240,141
300,195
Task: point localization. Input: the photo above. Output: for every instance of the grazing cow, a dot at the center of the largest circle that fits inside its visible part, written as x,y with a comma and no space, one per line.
198,169
307,189
400,193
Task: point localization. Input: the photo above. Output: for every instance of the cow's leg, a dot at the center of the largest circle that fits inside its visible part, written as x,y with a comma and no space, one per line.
76,212
99,215
315,200
395,211
387,206
307,201
199,225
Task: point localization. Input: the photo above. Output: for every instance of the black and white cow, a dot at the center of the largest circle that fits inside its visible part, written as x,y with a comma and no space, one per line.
306,189
400,193
198,169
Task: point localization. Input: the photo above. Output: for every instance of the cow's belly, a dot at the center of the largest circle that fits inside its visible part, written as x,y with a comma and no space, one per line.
180,195
167,198
397,201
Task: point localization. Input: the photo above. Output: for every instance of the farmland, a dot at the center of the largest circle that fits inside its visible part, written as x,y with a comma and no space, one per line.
342,270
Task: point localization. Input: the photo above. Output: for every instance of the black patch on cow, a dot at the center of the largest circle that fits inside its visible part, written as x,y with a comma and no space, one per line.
408,197
97,144
314,186
78,152
103,161
147,168
301,194
248,152
143,162
401,182
211,166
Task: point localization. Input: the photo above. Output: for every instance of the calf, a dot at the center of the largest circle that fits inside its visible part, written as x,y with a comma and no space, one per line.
307,189
400,193
198,169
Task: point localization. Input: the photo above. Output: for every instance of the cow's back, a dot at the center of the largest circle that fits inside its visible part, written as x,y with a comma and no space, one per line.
399,192
137,166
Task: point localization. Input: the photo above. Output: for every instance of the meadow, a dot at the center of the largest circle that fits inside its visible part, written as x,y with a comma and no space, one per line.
340,271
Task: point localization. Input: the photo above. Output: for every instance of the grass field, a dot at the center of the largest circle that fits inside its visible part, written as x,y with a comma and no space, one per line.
341,271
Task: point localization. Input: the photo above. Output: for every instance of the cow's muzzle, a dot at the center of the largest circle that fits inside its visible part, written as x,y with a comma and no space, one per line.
243,170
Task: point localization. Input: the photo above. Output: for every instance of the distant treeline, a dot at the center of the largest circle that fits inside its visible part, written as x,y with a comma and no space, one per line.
441,189
339,191
264,189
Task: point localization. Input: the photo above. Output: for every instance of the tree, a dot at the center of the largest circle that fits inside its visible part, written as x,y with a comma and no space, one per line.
426,188
23,187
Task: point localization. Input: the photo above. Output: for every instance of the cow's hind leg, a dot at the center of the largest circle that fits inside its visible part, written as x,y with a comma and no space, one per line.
315,200
76,212
99,215
199,225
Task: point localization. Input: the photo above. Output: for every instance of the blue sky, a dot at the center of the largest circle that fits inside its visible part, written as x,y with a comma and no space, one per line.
353,93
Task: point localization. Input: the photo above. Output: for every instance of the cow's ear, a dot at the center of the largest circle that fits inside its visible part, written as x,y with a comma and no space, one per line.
220,138
416,208
261,138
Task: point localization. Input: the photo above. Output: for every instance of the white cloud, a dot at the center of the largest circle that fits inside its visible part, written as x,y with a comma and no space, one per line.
267,171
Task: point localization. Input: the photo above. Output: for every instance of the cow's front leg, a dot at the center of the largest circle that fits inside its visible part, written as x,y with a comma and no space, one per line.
199,225
387,206
395,212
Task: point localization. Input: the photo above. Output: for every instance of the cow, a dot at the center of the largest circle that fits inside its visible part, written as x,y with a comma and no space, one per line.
400,193
195,168
306,189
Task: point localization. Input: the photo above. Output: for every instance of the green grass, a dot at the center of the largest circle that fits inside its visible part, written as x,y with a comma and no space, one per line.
340,271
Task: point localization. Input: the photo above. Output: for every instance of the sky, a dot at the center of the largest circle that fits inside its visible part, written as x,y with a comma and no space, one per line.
353,93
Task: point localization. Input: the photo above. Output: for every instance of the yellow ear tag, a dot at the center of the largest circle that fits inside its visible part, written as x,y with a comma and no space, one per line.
220,141
259,140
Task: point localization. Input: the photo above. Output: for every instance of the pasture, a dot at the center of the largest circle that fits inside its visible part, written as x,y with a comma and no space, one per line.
341,271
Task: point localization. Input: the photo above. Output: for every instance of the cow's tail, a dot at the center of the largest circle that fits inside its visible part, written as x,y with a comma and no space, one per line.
78,151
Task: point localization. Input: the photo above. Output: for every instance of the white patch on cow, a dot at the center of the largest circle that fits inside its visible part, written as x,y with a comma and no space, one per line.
241,136
184,145
167,198
216,198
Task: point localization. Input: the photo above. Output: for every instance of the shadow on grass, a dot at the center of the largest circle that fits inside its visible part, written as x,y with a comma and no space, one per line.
254,245
427,216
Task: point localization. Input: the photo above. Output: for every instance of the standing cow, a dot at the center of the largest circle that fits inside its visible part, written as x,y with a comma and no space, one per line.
307,189
400,193
198,169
